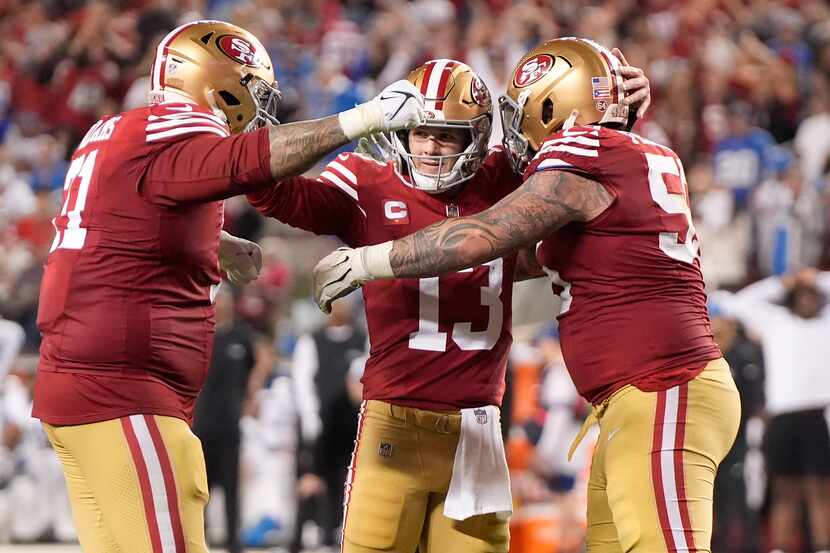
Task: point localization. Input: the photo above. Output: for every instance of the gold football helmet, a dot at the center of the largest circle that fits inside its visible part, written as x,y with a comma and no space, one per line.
220,66
454,97
548,83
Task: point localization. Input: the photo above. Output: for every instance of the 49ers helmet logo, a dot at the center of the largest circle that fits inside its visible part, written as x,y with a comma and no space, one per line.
532,70
239,50
481,95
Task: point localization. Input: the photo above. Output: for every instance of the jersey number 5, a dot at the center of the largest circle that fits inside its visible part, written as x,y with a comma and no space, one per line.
429,338
667,183
69,233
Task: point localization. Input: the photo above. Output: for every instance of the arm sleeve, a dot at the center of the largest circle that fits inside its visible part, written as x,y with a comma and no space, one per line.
204,167
314,205
575,150
329,204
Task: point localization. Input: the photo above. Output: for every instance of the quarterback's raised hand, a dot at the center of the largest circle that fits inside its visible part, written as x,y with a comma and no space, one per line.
346,269
399,106
241,259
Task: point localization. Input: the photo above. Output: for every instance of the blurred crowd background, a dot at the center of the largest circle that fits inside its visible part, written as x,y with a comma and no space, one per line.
741,90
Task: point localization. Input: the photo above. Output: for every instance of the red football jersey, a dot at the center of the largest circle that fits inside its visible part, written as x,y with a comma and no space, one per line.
126,308
436,343
633,302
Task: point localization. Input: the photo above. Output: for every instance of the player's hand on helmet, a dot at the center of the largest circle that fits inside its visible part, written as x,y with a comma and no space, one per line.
402,105
378,147
338,274
240,259
635,84
399,106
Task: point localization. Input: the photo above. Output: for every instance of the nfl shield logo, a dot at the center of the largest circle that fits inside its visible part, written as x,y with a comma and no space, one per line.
385,449
481,416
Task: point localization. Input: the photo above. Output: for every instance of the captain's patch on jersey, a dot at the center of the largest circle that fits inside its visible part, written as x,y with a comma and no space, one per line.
395,212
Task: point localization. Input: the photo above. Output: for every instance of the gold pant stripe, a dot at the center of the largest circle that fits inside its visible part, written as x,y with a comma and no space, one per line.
158,487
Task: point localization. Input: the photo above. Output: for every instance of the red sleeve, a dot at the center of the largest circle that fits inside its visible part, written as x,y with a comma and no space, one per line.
313,205
204,166
576,150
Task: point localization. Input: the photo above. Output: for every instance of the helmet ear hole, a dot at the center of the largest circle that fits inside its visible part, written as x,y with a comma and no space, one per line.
547,111
229,98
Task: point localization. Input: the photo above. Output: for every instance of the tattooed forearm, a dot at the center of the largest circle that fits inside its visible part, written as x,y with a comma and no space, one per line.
543,204
295,147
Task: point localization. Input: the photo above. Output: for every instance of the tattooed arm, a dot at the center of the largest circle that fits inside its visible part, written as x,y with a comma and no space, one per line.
547,201
296,147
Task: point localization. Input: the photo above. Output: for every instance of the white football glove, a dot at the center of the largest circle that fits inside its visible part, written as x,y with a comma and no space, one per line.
240,259
399,106
346,269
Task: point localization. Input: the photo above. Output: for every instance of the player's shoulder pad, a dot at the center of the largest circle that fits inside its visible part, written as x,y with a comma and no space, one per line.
575,149
347,171
174,121
354,170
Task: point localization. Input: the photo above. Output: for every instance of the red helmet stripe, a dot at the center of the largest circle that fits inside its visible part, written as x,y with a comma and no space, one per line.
430,65
442,84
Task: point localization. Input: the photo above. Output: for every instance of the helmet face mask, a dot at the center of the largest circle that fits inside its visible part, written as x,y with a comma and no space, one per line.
455,98
515,144
266,98
219,66
462,165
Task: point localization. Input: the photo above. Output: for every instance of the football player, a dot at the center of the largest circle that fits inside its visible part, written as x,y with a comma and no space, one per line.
126,300
439,345
608,212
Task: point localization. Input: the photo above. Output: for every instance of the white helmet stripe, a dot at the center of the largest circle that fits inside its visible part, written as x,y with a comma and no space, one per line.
435,83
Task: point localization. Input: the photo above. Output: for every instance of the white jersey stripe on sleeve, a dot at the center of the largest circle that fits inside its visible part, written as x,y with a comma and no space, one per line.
187,115
338,182
584,152
551,163
152,137
168,124
344,171
582,140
